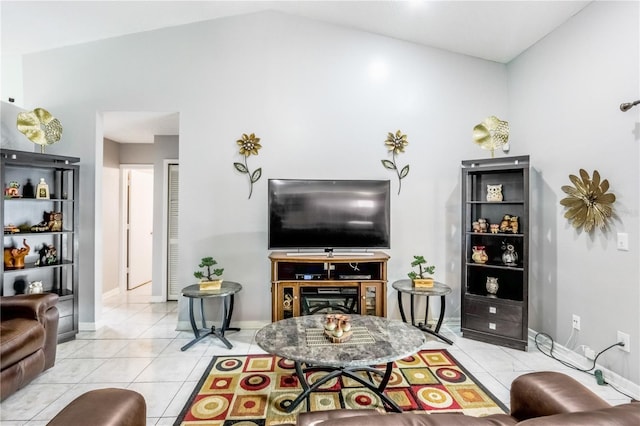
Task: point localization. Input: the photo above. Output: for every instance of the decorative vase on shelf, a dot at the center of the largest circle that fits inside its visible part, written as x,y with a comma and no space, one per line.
492,286
42,190
479,254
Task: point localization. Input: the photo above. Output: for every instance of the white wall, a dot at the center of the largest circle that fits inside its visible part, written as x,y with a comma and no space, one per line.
111,216
564,96
306,89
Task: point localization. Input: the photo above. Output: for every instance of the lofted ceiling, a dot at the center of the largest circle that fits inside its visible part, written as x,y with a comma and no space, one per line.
493,30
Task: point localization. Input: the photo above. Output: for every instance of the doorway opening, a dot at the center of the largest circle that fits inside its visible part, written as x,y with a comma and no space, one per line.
137,232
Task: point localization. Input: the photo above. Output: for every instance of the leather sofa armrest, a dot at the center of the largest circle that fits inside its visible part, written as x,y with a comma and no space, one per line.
31,306
547,393
104,407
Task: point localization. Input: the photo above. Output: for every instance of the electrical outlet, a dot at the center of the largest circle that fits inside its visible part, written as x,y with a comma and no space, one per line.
624,338
589,353
575,322
623,241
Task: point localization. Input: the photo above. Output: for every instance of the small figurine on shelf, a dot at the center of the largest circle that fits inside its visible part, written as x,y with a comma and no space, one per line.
48,255
42,190
11,191
492,286
475,226
54,221
14,257
505,223
509,256
494,193
484,225
35,287
494,228
513,224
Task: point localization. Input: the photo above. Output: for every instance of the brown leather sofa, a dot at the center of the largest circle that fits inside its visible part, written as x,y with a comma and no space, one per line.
104,407
28,338
537,399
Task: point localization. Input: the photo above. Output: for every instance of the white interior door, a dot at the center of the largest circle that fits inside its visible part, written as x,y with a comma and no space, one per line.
140,227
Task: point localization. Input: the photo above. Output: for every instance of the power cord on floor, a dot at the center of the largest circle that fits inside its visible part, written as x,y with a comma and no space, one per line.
597,374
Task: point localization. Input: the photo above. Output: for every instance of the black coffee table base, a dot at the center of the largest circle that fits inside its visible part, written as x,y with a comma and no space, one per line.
349,372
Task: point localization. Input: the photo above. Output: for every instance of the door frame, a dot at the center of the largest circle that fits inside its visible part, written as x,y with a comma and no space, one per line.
124,205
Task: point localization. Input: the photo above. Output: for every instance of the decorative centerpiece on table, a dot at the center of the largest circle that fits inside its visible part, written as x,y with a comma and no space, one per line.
420,278
207,280
337,328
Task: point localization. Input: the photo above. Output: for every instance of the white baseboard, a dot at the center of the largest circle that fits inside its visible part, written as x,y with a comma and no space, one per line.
87,326
111,293
567,355
245,325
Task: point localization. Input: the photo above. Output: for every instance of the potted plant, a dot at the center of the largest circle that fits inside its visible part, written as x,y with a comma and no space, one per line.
207,280
419,278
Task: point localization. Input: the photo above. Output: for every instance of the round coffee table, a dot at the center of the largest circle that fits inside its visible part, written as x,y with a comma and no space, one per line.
375,341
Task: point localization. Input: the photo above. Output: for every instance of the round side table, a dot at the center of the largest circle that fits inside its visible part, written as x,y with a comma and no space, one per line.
438,289
226,292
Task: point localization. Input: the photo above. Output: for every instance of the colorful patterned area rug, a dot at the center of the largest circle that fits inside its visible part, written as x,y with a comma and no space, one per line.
256,389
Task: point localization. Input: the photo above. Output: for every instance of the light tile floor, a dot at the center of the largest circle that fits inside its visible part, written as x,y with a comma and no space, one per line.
139,348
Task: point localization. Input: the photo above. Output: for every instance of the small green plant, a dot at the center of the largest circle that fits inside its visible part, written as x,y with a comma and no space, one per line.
423,269
208,262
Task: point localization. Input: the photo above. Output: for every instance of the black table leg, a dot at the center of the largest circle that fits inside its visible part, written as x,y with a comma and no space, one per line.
228,319
348,372
194,327
424,327
400,305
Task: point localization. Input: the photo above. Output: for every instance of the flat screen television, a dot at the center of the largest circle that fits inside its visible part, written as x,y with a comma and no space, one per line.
329,214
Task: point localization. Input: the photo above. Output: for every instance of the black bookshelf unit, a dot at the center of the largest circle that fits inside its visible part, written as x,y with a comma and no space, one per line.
495,316
24,210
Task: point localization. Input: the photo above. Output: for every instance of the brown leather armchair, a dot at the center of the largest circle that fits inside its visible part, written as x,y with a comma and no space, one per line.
28,338
537,399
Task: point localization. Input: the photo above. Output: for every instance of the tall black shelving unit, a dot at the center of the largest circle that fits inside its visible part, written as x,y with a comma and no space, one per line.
500,318
61,173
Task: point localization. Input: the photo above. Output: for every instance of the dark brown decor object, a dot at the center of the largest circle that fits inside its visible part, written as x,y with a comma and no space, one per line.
588,203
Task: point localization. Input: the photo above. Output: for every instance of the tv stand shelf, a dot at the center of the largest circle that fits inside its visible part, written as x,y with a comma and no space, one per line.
292,277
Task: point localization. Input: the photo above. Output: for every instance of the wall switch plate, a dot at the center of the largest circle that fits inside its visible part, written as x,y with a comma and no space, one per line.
623,241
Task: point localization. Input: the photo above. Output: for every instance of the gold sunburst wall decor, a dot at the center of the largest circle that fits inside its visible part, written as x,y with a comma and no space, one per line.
40,127
588,203
249,145
395,144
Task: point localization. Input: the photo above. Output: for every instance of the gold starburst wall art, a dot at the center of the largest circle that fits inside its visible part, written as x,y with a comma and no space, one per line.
395,144
249,145
588,203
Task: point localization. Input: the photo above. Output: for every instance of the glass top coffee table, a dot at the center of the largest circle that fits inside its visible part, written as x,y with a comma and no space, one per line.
375,341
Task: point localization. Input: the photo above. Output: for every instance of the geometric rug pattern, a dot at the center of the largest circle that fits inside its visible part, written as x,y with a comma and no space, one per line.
255,390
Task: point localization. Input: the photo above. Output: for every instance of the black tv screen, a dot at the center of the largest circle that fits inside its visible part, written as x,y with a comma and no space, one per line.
351,214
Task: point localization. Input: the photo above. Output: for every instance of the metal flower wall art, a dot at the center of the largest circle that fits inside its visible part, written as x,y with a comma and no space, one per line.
588,204
40,127
395,144
249,145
